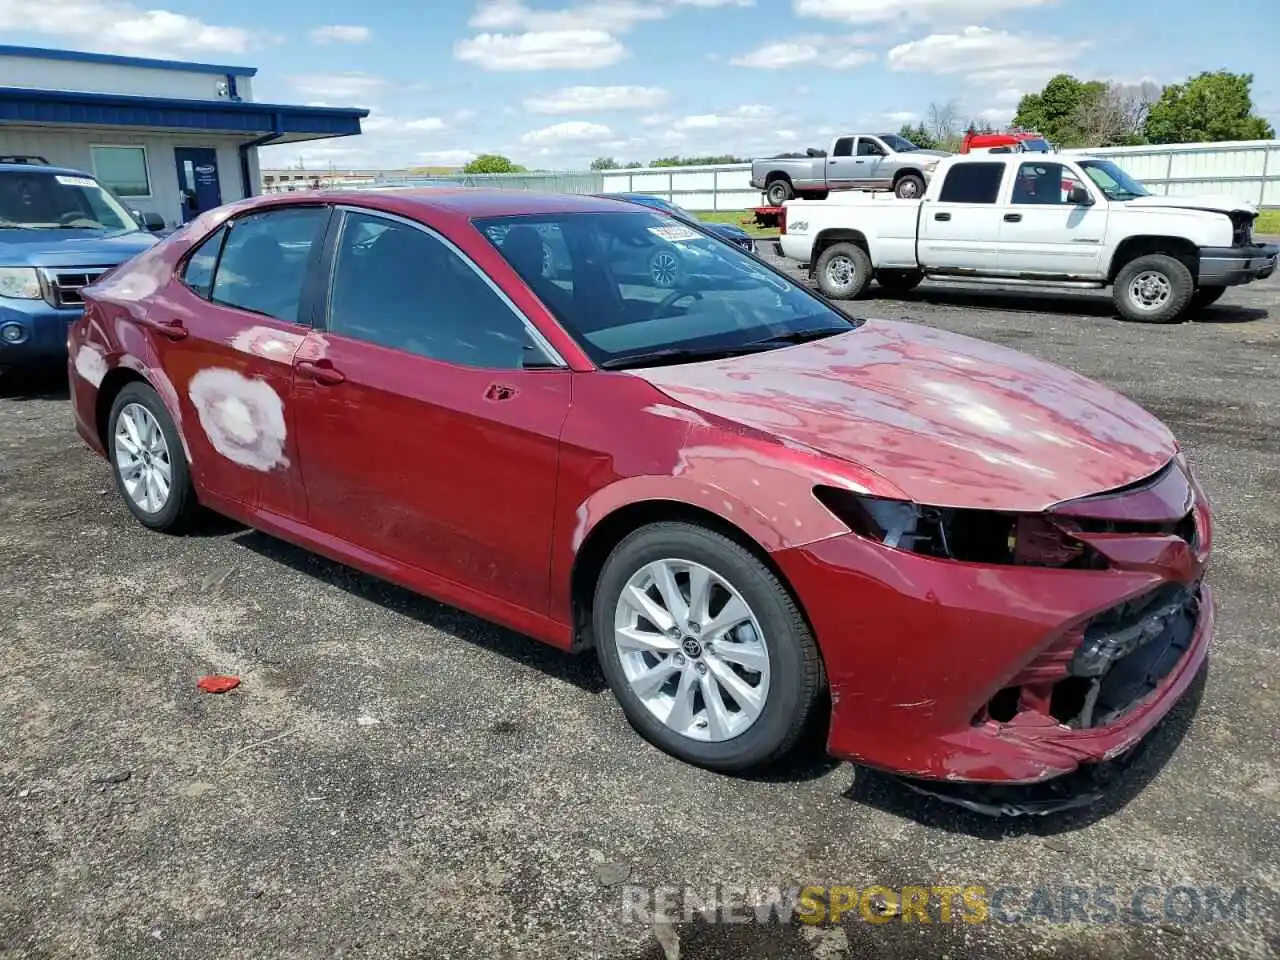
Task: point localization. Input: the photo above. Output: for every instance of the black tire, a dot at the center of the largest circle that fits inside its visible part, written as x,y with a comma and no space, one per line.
1164,273
1206,297
899,281
909,186
857,269
797,679
180,506
779,192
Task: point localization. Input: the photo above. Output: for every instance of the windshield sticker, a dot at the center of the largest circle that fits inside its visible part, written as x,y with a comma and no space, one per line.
675,233
76,181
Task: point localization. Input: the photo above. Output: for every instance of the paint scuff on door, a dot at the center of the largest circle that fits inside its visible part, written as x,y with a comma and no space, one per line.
243,418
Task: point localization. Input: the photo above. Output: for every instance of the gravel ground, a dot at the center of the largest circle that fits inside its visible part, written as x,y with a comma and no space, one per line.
398,779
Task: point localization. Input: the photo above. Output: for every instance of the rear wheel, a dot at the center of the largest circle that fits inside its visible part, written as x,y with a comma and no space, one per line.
705,650
1206,296
665,268
779,192
1156,288
843,271
899,281
909,187
151,470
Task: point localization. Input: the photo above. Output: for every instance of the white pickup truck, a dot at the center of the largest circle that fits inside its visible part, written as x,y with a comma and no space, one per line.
1054,220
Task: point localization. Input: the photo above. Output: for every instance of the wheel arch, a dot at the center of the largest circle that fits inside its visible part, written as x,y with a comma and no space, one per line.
1142,245
907,172
833,235
775,175
614,527
129,371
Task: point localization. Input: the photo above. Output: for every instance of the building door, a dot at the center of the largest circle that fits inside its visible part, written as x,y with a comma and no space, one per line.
197,180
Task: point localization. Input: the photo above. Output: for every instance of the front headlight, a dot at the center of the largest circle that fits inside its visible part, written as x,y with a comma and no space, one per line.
20,283
948,533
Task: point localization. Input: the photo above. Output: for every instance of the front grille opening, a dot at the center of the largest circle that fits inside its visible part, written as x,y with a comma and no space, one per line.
1003,707
66,286
1069,699
1184,529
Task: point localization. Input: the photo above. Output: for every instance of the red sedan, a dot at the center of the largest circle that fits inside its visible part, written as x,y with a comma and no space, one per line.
604,428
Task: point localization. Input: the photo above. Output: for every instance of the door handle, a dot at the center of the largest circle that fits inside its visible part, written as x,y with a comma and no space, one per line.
942,216
1013,218
320,373
173,329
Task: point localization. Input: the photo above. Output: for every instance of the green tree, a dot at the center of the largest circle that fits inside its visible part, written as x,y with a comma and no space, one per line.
919,136
1209,107
634,165
604,163
492,163
694,161
1056,110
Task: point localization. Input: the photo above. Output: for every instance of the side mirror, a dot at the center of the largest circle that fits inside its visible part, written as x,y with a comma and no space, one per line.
1079,196
150,220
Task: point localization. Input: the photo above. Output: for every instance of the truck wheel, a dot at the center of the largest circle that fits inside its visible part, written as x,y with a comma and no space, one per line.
843,271
779,192
909,187
1156,288
899,281
1206,296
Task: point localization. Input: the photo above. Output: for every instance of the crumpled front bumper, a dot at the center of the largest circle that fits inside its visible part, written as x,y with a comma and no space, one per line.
1231,266
919,651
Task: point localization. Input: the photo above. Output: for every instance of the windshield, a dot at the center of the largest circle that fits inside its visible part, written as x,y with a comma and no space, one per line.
629,285
898,144
1112,181
53,201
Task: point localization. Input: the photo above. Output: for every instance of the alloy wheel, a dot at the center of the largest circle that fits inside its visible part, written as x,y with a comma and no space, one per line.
142,458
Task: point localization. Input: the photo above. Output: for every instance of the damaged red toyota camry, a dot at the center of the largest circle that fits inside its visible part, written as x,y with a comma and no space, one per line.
599,426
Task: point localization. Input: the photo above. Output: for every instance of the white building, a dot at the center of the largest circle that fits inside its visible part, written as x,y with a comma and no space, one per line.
169,137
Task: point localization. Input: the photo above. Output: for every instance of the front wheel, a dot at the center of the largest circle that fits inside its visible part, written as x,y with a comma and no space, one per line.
1156,288
843,271
665,268
909,187
151,470
705,650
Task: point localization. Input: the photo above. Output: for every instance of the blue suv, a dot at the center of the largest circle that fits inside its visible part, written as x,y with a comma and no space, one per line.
59,231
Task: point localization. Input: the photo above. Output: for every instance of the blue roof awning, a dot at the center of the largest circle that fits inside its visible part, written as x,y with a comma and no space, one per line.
280,121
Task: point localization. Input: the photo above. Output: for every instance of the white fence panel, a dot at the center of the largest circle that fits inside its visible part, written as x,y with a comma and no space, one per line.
1245,169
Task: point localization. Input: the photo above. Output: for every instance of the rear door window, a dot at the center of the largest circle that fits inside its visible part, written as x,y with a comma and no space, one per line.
972,183
265,258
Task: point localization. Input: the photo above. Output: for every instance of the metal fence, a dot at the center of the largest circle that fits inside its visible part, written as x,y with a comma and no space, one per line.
1246,170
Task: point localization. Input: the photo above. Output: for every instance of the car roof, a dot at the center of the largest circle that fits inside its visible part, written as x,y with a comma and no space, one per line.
472,202
41,168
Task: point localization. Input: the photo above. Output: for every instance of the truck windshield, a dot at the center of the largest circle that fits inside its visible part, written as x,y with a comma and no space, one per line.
55,201
898,144
1112,181
642,288
1035,145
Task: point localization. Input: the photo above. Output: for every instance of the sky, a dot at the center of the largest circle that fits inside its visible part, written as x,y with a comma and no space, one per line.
553,84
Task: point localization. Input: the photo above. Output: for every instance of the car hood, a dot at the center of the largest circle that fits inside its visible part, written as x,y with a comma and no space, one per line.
946,419
1210,203
927,153
70,248
725,229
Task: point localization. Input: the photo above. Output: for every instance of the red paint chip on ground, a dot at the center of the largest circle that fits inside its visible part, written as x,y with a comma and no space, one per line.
217,683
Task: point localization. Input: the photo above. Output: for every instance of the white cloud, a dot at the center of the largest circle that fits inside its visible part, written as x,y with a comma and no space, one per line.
339,86
832,52
997,115
340,33
594,99
748,115
541,50
426,125
608,15
986,55
919,11
123,28
571,131
901,116
447,158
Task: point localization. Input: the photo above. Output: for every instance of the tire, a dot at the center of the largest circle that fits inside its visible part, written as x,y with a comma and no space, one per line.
1156,288
843,271
909,186
899,281
779,192
793,684
1206,297
179,505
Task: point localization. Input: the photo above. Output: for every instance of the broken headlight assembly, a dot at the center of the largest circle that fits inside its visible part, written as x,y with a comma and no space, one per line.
971,536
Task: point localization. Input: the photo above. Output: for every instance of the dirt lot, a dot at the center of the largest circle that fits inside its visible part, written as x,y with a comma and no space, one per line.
397,779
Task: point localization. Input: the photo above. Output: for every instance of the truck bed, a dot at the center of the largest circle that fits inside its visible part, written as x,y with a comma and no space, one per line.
895,223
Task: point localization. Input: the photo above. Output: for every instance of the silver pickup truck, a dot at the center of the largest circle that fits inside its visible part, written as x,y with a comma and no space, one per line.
861,161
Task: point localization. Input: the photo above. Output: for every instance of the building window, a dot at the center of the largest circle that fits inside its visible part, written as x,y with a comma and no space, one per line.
122,170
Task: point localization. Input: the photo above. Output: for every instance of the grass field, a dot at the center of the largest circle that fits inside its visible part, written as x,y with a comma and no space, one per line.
1268,223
